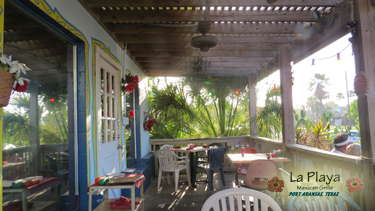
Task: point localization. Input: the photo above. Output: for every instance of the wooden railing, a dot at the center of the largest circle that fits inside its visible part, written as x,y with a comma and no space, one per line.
307,159
27,154
232,144
304,159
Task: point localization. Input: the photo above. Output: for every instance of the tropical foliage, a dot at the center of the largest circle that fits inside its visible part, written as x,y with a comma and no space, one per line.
269,118
53,118
200,107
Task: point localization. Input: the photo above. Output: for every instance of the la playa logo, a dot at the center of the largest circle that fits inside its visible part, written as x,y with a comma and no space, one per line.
354,184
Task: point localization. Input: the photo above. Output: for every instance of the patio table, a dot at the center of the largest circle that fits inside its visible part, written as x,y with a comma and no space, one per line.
46,182
249,157
192,153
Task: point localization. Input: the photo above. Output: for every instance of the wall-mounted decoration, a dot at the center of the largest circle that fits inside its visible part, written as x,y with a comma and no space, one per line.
128,84
361,84
148,124
10,79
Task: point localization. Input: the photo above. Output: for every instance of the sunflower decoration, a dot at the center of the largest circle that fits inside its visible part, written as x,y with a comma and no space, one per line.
275,185
354,184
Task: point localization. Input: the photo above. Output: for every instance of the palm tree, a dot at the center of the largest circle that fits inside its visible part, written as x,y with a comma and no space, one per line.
202,107
340,96
319,81
269,120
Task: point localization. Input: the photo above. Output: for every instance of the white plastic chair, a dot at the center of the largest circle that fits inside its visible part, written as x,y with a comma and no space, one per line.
168,163
168,146
236,198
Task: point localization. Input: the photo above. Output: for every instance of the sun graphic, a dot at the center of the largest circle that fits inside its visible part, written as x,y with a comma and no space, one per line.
275,185
354,184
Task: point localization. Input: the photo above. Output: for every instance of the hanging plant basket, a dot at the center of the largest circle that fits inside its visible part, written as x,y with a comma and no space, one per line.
6,87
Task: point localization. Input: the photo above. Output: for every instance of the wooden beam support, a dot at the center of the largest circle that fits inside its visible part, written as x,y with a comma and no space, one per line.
268,69
286,96
252,105
111,16
199,3
203,64
364,59
203,54
184,38
219,47
364,45
34,123
216,28
327,30
26,36
203,59
245,69
185,73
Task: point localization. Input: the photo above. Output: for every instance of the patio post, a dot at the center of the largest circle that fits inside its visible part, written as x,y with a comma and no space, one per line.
286,95
2,3
363,47
34,133
252,105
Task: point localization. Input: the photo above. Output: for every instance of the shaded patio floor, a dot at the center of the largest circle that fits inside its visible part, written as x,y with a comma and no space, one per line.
186,198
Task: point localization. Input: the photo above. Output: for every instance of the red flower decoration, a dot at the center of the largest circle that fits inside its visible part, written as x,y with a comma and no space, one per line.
136,80
20,88
275,185
354,184
131,113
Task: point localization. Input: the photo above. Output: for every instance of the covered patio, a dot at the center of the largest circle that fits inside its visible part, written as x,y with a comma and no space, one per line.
238,38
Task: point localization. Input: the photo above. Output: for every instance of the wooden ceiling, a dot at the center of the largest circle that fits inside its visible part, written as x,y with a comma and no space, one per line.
30,42
157,34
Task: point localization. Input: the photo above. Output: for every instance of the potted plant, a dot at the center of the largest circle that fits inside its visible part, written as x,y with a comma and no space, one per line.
10,79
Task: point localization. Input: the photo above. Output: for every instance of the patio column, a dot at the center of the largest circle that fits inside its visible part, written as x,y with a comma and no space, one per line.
34,123
2,2
252,106
286,95
364,53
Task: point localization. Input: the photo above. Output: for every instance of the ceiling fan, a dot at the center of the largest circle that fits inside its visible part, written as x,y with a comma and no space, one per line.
204,42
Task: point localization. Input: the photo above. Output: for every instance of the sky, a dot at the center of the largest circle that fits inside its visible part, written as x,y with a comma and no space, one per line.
325,62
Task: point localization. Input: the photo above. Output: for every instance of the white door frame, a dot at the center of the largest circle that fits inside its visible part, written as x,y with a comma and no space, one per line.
108,94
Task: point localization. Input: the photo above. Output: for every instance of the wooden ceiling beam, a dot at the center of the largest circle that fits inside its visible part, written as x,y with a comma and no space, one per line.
209,64
111,16
26,36
204,59
238,38
203,54
206,73
216,28
29,46
327,30
199,3
133,47
203,68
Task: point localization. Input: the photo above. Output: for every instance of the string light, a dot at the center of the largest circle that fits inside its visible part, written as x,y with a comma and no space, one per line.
236,92
337,56
274,87
52,100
